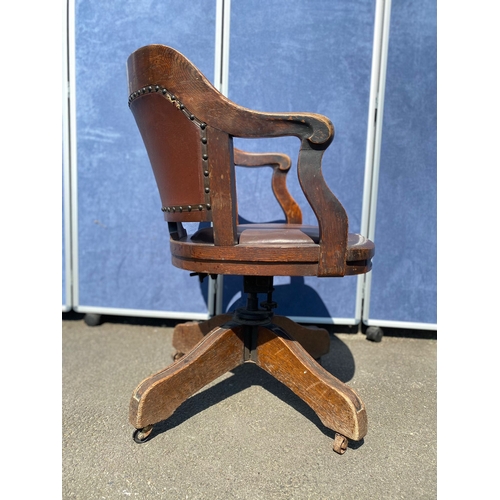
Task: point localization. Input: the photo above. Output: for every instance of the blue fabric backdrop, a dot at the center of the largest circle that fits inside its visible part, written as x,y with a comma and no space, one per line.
123,251
314,57
404,272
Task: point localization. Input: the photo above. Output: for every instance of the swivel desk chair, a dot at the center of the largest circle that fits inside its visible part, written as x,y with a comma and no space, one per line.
188,127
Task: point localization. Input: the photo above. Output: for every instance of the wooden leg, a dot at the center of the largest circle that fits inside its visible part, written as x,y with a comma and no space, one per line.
187,335
158,396
316,341
337,405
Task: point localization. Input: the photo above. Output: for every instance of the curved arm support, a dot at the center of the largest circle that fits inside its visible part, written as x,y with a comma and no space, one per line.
280,163
332,217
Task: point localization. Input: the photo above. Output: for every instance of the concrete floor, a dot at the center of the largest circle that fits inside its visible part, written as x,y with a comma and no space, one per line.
245,436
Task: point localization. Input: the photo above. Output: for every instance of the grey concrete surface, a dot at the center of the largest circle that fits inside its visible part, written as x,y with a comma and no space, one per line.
245,436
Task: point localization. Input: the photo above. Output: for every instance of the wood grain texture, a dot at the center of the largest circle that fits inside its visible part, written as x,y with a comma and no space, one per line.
158,396
156,69
259,268
162,65
316,341
222,187
173,102
332,217
337,405
266,260
222,349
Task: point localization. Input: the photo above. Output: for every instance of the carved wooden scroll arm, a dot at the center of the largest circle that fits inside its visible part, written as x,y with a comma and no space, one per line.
280,163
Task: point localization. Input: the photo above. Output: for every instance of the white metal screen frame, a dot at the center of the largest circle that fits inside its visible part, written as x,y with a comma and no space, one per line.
68,275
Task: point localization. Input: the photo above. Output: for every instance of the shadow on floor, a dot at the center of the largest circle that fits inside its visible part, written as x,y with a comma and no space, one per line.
170,323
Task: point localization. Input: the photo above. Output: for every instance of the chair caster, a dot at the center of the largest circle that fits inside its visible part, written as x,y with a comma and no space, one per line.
340,444
374,333
178,355
92,319
142,435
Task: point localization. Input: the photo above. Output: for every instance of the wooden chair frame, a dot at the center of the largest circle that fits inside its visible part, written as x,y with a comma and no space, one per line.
188,129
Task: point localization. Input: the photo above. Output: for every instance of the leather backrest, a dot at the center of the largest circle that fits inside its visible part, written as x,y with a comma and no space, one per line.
178,112
176,144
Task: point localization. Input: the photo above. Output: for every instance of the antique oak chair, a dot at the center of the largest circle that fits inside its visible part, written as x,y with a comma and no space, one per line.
188,127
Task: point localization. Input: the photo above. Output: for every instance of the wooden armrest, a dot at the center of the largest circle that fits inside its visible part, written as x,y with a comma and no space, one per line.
332,218
280,163
182,78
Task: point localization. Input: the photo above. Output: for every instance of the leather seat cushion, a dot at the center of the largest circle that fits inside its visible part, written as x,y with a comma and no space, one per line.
266,234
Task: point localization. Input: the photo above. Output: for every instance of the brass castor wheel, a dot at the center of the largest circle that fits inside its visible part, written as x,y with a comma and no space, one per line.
374,333
340,444
178,355
142,435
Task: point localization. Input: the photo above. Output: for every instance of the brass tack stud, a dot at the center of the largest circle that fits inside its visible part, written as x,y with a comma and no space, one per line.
205,156
207,190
